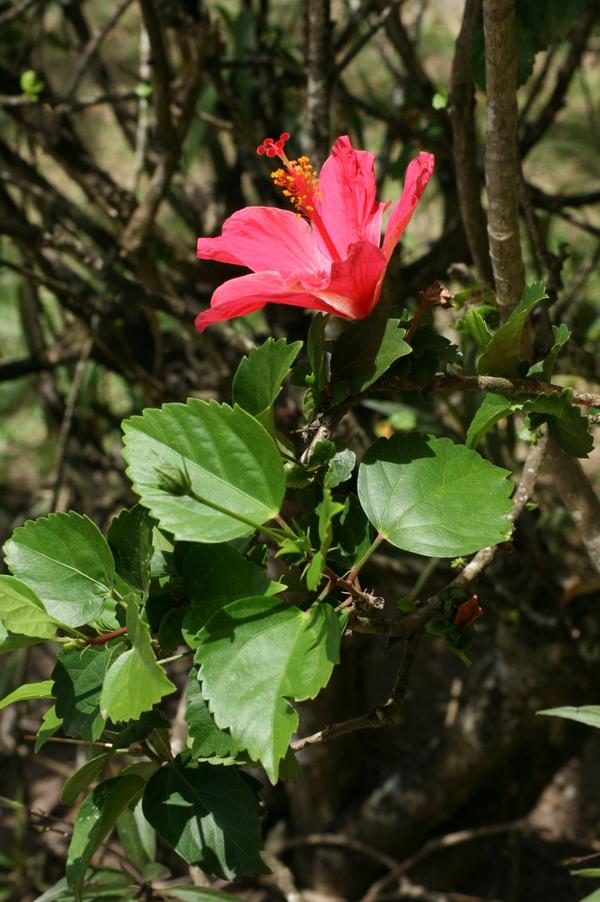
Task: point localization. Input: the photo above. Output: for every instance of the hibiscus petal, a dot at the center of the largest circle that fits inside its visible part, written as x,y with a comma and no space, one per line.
348,206
244,295
265,238
417,175
355,283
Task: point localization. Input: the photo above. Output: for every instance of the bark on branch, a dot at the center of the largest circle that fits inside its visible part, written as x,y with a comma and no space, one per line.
501,161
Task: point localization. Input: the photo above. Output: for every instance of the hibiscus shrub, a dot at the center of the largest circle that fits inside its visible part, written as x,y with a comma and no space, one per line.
243,556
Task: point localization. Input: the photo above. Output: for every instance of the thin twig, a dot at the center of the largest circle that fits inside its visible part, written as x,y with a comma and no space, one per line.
65,428
535,130
364,39
382,715
91,49
439,844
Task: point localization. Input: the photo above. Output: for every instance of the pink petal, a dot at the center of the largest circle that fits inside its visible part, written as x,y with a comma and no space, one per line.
244,295
265,238
348,207
355,283
417,175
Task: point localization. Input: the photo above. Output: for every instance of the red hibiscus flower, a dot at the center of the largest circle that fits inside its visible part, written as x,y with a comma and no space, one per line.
328,255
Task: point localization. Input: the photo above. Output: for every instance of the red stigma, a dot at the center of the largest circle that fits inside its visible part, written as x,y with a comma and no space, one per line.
273,148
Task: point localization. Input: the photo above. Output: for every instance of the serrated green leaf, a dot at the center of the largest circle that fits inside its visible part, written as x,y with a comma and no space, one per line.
147,723
22,612
566,424
340,468
227,458
492,409
544,368
51,724
95,818
474,323
29,691
366,350
256,655
327,510
208,741
66,560
587,714
503,353
213,575
259,376
82,778
135,681
130,539
78,677
432,497
210,815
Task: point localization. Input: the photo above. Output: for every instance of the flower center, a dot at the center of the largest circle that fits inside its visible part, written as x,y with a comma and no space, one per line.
299,182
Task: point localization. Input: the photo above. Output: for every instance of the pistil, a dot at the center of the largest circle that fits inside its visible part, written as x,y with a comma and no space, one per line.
300,184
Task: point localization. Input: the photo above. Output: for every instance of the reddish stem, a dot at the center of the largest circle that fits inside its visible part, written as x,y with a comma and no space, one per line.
103,638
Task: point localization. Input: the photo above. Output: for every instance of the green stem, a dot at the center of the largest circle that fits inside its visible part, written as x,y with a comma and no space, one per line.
242,519
183,654
360,564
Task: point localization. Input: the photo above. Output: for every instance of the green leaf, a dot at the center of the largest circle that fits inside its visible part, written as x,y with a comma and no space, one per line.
66,560
593,897
26,692
227,458
587,714
136,836
12,642
543,369
327,510
30,83
503,353
82,778
474,323
51,724
365,350
130,540
565,422
586,872
135,681
256,656
317,359
78,677
208,741
213,575
210,815
22,612
353,534
492,409
432,497
340,468
95,818
258,378
148,723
